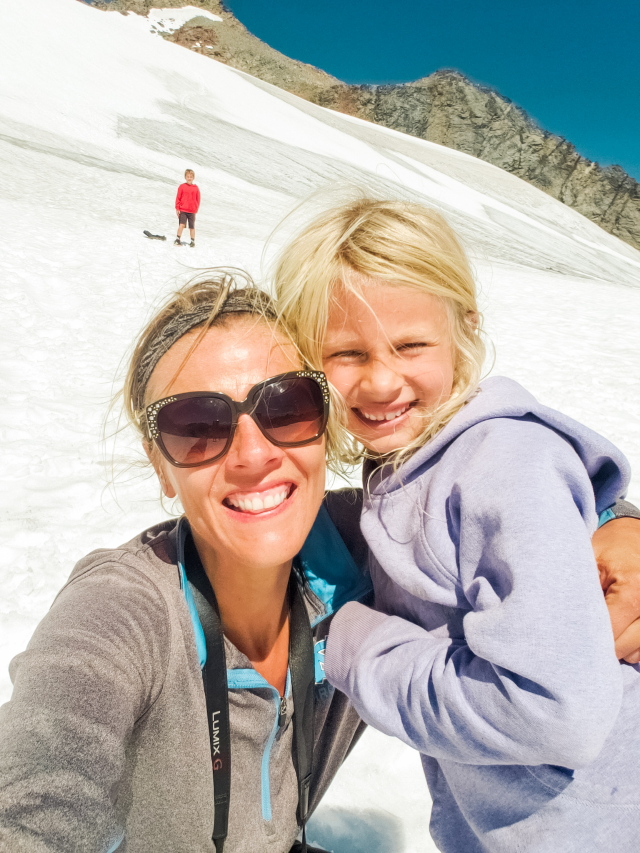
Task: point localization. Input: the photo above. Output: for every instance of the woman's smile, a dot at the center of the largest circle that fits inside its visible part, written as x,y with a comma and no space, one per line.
263,501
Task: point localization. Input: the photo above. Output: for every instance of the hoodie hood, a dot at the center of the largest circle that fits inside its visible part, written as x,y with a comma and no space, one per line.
500,397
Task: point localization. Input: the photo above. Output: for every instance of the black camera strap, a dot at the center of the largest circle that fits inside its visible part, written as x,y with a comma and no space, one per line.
214,676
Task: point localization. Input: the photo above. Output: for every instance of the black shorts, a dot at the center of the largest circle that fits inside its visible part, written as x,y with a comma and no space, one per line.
188,218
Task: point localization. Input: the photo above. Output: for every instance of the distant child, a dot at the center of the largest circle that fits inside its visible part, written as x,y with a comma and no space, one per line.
490,648
187,204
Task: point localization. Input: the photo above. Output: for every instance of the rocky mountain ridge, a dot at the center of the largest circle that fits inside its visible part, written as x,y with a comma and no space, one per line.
444,107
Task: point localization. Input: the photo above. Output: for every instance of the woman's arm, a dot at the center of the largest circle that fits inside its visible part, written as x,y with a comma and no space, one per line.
534,680
617,550
94,665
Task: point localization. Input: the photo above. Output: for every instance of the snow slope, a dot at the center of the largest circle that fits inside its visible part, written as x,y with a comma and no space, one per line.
170,20
98,120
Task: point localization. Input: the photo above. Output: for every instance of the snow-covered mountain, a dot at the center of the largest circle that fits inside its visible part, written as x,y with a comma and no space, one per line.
98,120
445,107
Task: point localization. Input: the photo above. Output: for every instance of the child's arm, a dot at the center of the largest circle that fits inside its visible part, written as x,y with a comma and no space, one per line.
534,679
179,199
197,199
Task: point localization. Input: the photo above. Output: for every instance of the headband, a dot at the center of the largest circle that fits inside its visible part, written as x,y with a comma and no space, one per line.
244,301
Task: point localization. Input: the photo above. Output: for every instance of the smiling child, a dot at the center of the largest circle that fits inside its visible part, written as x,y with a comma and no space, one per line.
489,649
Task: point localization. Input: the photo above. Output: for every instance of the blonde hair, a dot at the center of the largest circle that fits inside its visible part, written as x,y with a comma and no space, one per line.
223,295
189,172
404,244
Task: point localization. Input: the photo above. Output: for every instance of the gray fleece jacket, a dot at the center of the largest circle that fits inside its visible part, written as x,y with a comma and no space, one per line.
490,649
104,745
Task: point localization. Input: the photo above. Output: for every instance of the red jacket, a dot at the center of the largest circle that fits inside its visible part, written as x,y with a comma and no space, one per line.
188,198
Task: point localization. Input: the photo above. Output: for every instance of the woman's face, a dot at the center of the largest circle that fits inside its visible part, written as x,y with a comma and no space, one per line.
231,359
388,351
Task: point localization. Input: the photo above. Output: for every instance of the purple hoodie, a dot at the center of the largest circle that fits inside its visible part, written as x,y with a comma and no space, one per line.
490,649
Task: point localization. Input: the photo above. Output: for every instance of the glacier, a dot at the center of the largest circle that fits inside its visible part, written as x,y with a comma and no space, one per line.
99,117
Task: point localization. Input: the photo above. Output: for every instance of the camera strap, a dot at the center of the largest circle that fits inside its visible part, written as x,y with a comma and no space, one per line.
214,676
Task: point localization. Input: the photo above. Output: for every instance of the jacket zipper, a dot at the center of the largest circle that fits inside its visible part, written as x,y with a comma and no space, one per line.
282,712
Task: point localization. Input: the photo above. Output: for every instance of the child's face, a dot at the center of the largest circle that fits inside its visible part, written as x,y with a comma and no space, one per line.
388,351
189,177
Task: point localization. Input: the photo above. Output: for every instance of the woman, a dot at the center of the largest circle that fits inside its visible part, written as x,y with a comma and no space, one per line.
105,741
110,739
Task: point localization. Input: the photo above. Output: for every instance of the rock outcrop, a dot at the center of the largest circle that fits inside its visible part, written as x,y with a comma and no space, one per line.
449,109
445,107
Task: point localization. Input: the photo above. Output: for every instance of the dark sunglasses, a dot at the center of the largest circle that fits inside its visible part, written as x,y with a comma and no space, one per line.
192,429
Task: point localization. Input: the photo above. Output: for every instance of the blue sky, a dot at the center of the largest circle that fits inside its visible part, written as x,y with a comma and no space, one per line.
573,66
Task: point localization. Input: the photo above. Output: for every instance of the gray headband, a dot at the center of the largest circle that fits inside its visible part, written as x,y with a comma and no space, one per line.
245,301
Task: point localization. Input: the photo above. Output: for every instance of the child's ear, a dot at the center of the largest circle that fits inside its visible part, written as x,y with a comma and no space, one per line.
158,463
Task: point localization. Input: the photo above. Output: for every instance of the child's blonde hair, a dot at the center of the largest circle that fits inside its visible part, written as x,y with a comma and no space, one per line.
404,244
189,172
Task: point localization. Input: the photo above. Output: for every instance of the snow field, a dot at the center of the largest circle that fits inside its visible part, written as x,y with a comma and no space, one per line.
170,20
97,126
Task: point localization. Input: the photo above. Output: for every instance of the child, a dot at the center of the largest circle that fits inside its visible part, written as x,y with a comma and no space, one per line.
490,649
187,204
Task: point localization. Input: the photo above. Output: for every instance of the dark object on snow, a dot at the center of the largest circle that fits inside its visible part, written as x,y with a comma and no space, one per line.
154,236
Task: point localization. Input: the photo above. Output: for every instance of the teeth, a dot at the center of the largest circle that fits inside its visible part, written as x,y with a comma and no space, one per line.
258,504
388,417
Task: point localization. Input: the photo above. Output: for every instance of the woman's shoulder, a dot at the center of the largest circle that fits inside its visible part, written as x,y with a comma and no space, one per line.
103,655
116,612
147,562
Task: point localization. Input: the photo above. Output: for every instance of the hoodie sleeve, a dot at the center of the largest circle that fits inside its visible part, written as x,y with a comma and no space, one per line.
179,198
534,678
197,199
95,663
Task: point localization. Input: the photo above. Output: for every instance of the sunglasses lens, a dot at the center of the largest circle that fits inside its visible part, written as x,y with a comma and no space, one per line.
291,411
195,430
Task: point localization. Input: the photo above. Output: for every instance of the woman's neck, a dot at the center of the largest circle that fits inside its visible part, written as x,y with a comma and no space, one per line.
254,608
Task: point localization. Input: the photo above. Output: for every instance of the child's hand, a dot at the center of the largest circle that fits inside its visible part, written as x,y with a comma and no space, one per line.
616,546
